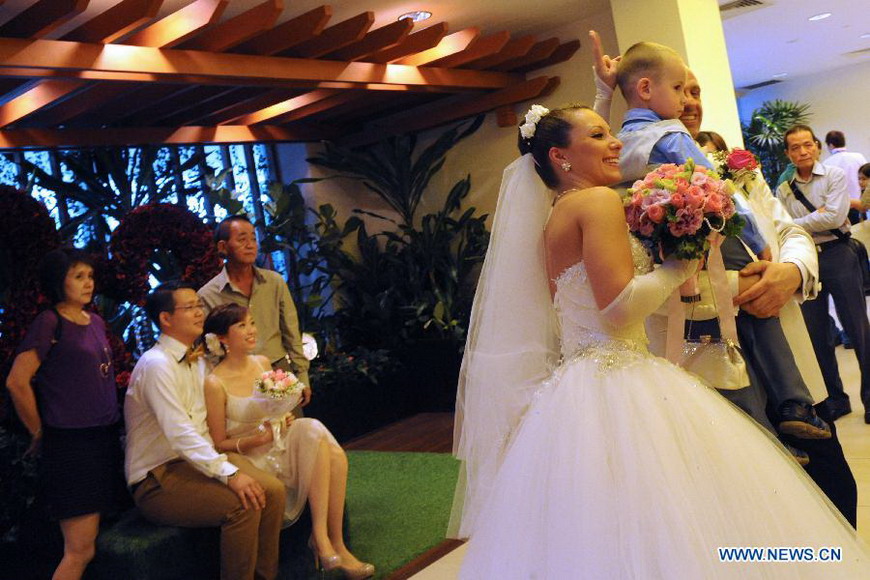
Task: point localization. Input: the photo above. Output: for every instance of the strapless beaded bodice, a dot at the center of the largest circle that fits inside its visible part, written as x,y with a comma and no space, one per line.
580,321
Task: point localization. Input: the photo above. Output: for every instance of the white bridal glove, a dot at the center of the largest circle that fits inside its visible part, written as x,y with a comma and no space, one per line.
645,293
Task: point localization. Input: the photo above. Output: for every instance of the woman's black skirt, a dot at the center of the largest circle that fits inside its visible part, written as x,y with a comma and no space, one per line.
81,470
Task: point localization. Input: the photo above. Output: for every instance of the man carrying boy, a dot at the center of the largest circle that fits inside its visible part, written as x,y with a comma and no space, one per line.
176,476
653,80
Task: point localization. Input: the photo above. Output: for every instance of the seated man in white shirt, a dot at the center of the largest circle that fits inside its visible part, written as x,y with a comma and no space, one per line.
176,476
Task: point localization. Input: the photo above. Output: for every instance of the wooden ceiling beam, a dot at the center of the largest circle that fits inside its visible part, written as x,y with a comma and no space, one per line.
287,35
333,38
381,39
172,29
450,84
515,48
218,38
449,45
298,106
46,138
175,28
414,43
540,51
284,108
245,106
115,62
39,96
164,103
91,97
237,30
116,22
118,105
207,106
451,109
42,18
479,48
564,52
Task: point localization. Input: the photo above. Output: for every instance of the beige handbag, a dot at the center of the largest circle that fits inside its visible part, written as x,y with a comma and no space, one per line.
717,361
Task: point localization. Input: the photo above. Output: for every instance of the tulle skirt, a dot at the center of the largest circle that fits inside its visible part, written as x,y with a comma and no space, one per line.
633,469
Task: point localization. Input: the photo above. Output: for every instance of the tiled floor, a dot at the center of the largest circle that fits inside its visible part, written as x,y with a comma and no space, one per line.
854,436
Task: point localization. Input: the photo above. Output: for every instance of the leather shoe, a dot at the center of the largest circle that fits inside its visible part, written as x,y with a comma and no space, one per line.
798,454
800,420
867,417
832,409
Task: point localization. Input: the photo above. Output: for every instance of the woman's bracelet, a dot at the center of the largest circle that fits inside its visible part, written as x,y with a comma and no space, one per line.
37,434
238,443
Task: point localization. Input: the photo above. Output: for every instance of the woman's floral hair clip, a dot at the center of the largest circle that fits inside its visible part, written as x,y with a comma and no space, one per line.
213,345
530,124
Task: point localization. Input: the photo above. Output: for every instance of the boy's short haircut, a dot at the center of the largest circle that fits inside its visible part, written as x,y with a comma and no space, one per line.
642,59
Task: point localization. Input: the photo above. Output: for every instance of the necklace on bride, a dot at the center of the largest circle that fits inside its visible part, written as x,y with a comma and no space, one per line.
563,193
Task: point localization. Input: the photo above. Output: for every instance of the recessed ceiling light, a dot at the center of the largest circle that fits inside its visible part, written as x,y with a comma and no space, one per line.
780,75
865,35
821,16
416,15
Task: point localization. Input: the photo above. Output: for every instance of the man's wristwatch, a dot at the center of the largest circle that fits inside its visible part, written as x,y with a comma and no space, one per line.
690,299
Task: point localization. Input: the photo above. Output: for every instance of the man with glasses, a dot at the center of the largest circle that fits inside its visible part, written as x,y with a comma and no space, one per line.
818,199
173,470
263,292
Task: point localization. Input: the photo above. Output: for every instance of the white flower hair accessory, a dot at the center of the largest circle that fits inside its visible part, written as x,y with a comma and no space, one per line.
213,345
534,114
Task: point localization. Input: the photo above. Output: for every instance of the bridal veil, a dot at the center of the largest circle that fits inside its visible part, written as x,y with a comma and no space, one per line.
512,339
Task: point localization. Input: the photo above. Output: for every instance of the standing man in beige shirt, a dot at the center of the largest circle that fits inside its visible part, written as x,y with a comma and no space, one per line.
264,292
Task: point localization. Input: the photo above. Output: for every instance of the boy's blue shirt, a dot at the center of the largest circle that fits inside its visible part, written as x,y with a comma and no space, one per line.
672,148
678,147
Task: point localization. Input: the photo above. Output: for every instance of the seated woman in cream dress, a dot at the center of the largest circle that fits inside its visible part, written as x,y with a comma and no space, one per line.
302,453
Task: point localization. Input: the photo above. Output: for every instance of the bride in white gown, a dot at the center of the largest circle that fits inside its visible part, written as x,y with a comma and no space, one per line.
610,463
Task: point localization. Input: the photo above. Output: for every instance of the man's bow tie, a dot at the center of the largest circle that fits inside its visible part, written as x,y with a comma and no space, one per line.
193,354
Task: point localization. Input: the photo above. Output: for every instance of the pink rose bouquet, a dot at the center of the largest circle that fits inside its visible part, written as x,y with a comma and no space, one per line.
279,384
676,208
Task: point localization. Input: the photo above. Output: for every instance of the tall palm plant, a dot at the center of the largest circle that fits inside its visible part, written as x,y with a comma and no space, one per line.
109,183
390,167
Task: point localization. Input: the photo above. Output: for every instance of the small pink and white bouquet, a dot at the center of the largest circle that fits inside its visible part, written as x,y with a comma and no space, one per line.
677,207
280,385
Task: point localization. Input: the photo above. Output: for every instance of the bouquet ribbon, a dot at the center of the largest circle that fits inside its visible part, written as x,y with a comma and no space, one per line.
278,426
721,297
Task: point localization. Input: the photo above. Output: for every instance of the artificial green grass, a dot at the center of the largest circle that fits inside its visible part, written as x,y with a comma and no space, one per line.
398,505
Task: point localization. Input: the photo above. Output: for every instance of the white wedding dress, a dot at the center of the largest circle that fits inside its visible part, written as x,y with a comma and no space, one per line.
291,456
624,466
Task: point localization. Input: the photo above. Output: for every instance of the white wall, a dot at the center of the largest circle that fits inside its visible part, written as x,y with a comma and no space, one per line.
837,99
486,153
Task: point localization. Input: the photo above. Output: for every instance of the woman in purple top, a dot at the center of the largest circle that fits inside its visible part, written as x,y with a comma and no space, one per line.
63,387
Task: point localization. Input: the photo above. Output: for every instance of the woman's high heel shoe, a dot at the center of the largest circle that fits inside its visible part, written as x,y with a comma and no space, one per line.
364,570
324,563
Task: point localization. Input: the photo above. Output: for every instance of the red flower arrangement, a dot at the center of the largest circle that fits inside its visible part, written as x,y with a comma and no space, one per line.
175,232
26,235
